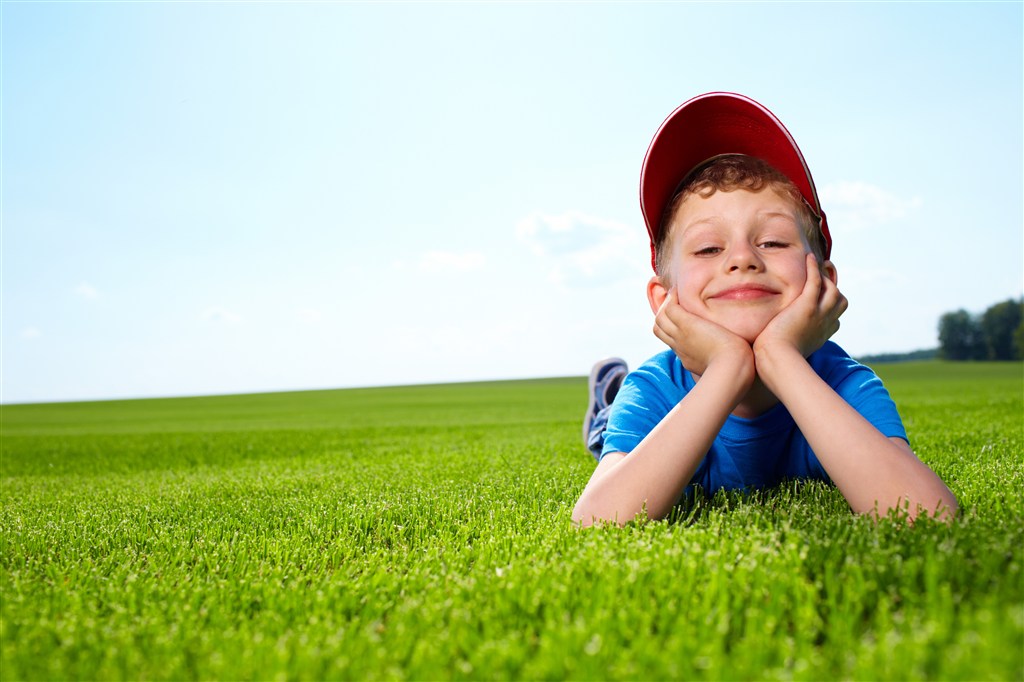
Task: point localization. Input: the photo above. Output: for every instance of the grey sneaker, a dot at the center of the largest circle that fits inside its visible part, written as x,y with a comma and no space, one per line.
605,379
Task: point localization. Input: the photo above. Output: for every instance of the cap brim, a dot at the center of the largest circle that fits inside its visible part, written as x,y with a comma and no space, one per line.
710,125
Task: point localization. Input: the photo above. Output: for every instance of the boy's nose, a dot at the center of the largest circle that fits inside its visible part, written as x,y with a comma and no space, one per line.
743,258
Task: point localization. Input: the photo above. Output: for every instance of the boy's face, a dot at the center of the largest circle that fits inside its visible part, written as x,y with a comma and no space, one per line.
738,258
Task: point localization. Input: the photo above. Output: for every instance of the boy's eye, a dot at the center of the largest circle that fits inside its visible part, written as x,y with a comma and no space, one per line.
774,244
707,251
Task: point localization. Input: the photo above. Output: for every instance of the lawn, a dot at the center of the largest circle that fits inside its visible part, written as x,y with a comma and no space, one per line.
423,533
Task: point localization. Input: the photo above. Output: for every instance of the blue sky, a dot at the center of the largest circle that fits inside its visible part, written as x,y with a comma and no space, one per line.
237,197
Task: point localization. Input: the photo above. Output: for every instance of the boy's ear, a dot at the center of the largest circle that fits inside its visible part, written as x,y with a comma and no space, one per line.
828,269
656,293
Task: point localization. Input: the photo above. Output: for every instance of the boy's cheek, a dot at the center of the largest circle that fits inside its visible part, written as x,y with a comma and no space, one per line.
694,305
799,277
688,294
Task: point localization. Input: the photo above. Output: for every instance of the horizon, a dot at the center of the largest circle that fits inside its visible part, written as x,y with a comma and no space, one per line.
499,380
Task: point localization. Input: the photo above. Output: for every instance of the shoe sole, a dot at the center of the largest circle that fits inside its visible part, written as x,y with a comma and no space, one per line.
591,393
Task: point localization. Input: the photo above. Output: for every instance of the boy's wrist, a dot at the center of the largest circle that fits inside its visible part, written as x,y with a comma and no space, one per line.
771,361
738,368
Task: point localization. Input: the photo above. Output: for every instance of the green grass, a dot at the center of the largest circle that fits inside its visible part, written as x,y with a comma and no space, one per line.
423,533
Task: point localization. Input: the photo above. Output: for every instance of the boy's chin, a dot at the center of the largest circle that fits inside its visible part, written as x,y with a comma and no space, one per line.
746,331
746,324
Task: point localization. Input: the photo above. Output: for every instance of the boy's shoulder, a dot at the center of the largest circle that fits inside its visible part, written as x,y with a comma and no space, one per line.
831,357
663,366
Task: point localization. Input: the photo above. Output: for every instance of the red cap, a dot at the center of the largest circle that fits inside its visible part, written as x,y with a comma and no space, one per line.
710,125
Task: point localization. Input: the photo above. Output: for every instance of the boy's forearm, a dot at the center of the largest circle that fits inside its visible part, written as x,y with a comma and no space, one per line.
873,473
653,476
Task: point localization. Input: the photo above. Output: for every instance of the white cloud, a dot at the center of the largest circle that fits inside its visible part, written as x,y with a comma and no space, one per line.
218,314
585,250
29,333
86,291
860,205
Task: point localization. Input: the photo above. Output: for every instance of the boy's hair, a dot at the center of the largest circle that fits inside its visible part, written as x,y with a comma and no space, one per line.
729,173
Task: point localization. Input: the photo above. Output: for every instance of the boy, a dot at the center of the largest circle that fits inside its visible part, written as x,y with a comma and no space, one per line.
751,391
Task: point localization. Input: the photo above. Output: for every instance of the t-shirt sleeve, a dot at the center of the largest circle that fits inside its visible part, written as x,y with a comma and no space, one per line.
639,406
864,391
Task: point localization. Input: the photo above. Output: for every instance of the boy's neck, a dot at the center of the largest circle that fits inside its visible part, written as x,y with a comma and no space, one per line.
756,402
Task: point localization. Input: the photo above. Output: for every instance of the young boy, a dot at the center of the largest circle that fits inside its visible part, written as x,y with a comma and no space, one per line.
751,391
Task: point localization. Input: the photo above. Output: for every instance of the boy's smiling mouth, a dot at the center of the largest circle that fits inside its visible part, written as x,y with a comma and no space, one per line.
745,292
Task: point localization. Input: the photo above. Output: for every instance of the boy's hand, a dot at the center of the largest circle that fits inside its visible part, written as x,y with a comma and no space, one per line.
810,320
698,342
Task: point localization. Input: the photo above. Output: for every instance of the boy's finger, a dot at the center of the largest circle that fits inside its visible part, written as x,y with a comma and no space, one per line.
823,282
659,333
669,297
841,305
812,286
663,320
831,298
829,292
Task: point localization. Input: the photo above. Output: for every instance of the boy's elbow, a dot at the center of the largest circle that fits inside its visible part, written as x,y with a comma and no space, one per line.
948,508
944,509
577,517
584,516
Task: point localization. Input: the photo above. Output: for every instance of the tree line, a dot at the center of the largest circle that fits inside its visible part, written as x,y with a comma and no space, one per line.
996,334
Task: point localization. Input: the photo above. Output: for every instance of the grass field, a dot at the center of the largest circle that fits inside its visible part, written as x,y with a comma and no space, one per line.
423,533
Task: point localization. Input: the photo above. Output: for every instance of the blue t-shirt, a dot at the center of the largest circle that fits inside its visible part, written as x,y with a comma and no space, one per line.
747,453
